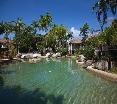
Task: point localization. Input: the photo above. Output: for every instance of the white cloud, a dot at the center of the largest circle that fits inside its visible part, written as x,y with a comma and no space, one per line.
75,32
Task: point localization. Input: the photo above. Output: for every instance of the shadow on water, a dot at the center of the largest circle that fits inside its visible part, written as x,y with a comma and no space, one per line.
6,72
18,95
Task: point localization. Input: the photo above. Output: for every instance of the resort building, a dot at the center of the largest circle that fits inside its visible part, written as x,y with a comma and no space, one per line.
73,45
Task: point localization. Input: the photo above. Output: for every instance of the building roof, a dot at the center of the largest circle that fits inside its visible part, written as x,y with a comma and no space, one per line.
75,41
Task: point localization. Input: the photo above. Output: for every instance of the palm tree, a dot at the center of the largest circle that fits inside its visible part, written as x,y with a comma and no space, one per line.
84,30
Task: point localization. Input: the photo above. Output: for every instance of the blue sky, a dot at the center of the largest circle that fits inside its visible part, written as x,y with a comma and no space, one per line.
71,13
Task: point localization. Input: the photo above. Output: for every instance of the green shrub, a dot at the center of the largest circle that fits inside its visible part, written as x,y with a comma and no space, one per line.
87,51
63,51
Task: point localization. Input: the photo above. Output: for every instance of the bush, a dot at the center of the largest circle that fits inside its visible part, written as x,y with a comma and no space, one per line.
87,51
63,51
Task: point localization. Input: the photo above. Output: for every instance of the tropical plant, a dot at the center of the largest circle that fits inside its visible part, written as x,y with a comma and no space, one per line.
5,29
40,47
45,22
108,38
50,41
69,35
63,51
114,27
84,30
56,37
102,8
24,40
2,29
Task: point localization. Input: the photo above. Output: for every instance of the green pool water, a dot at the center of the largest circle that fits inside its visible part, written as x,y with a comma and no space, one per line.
61,77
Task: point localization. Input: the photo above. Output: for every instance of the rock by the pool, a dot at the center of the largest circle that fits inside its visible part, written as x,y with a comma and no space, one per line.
26,56
56,55
48,55
36,55
81,58
18,55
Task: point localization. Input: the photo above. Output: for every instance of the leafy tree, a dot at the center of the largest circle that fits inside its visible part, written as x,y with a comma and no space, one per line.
109,34
2,29
109,37
5,29
40,43
69,35
56,37
50,41
45,22
89,47
114,23
87,51
41,47
60,34
26,36
18,29
24,39
102,7
63,51
84,32
114,36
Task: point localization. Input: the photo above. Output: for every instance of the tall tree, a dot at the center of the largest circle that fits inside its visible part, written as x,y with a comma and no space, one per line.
6,28
84,30
102,8
24,39
56,36
45,22
69,35
109,37
19,28
2,29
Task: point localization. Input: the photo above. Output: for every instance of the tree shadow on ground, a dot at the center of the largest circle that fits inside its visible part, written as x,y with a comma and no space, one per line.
18,95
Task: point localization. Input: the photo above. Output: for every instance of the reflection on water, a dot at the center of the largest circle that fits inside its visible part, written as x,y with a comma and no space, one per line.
62,77
18,95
